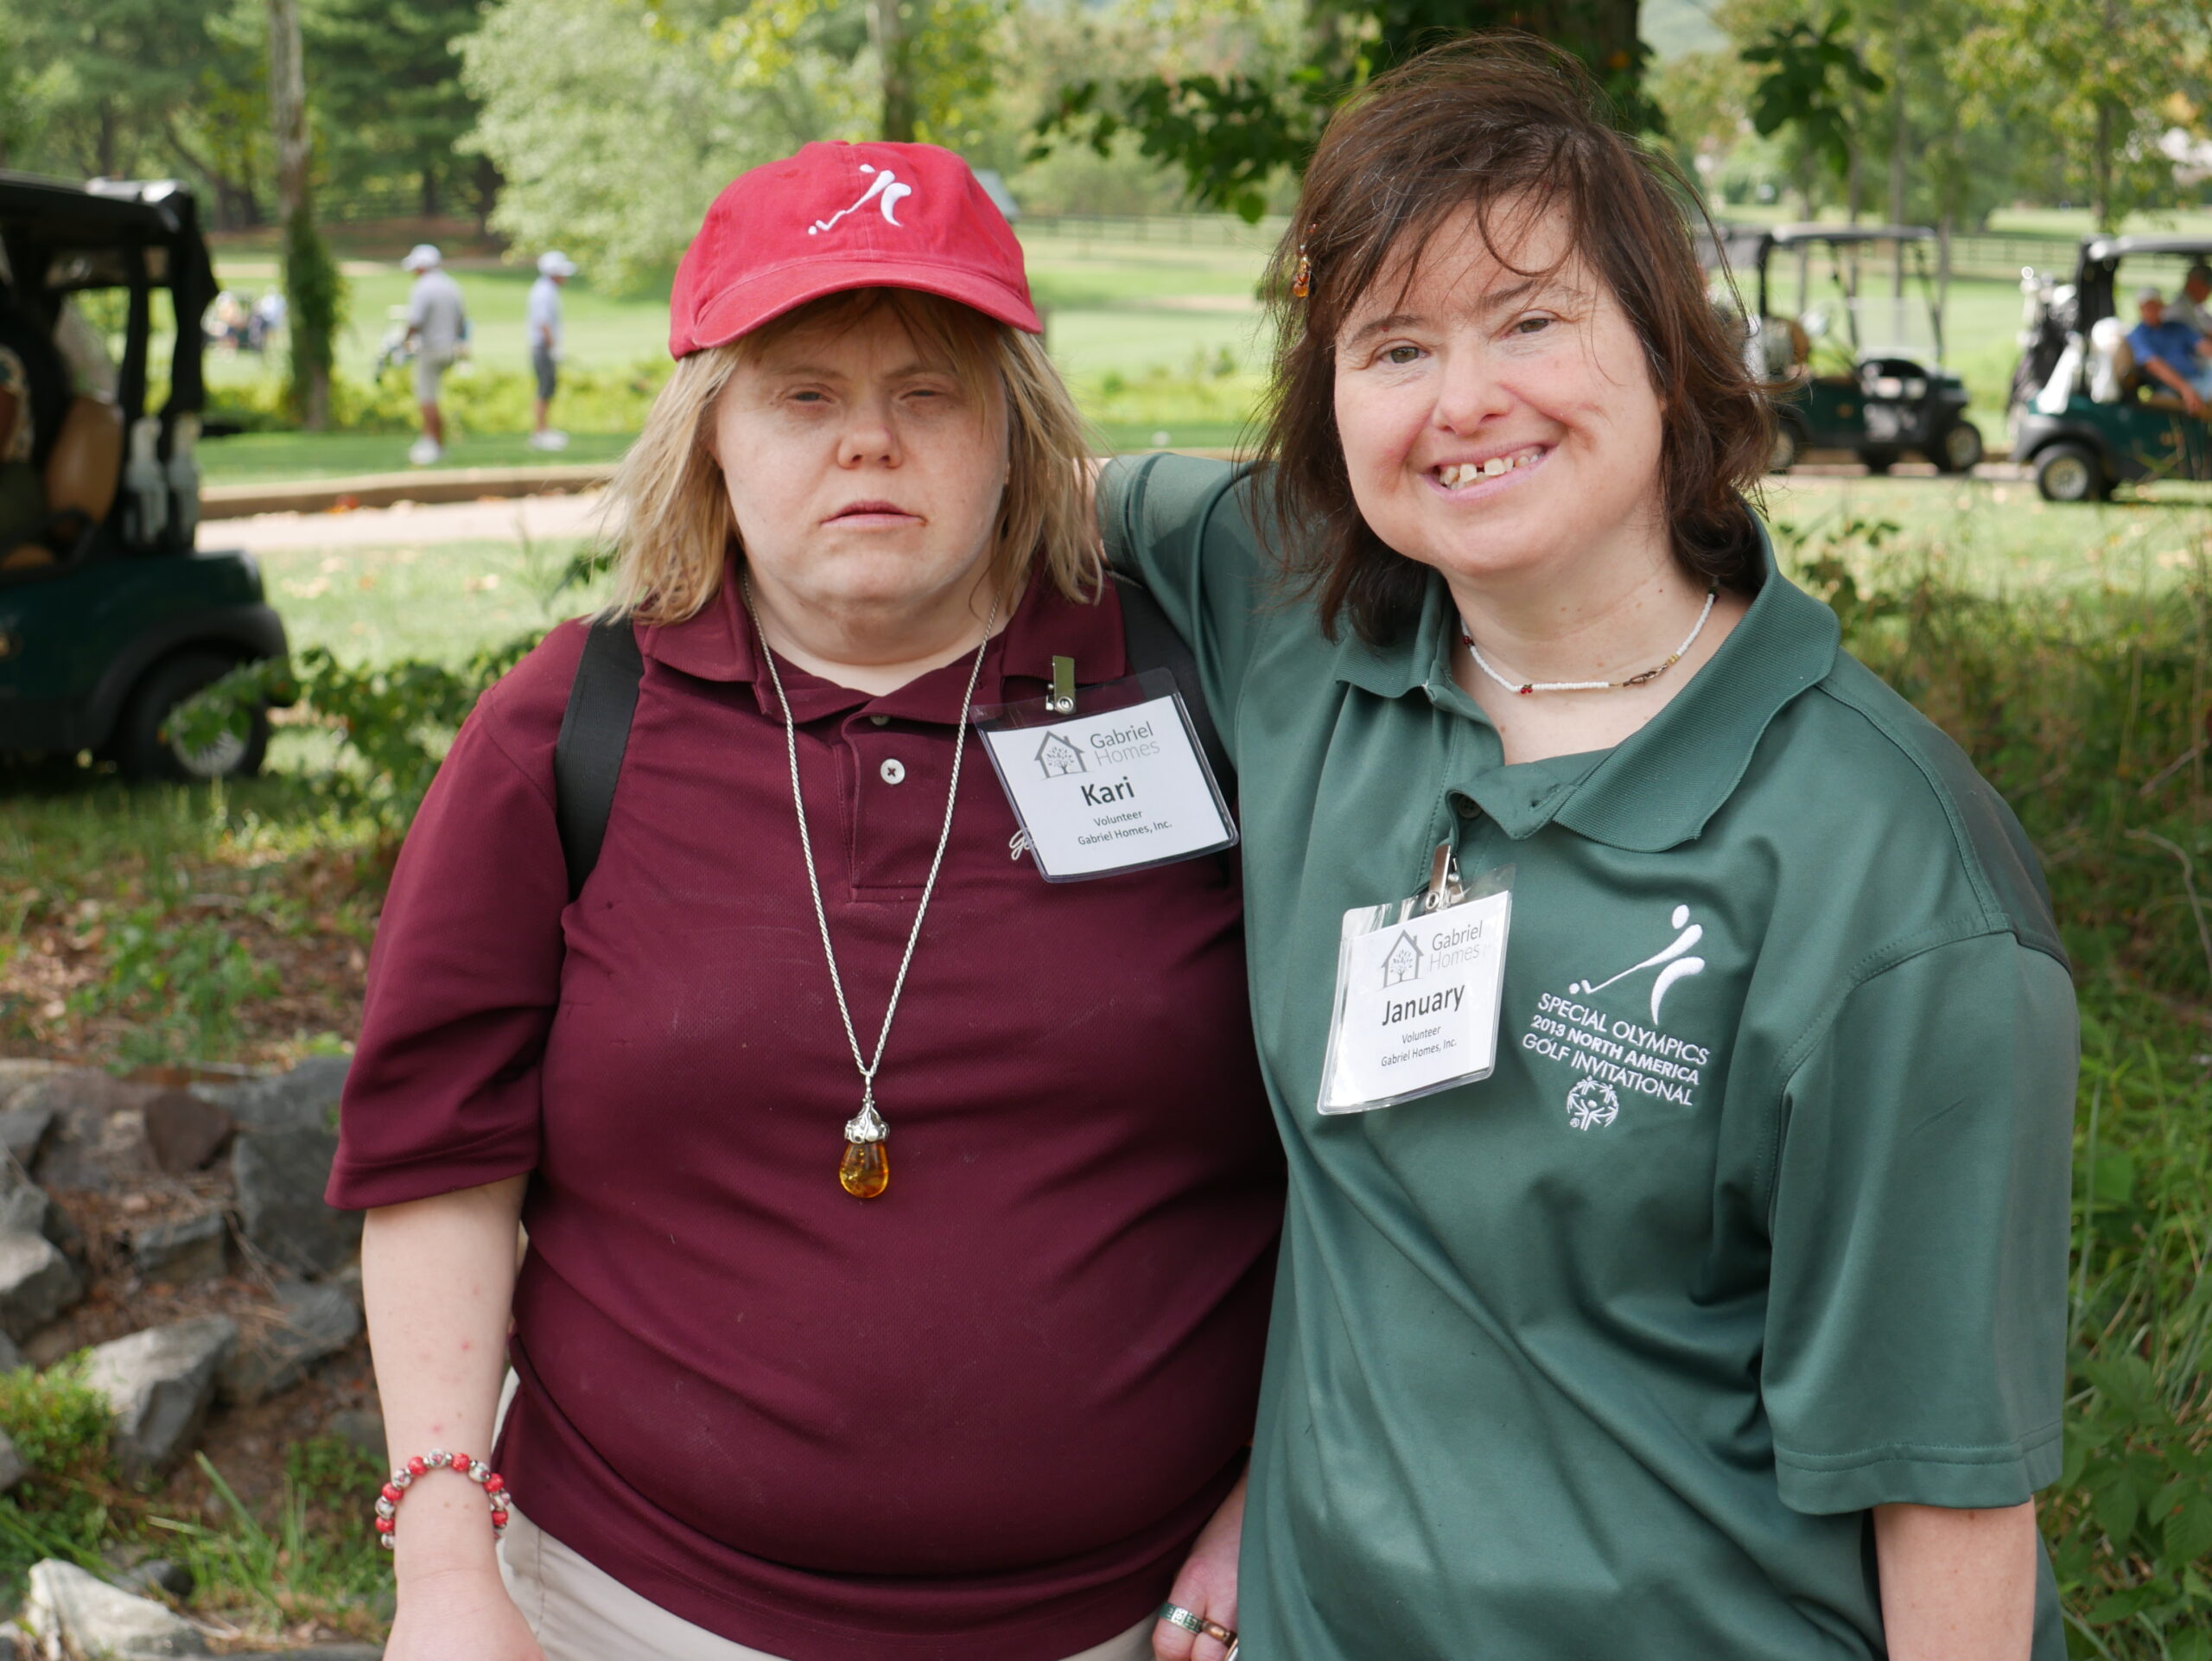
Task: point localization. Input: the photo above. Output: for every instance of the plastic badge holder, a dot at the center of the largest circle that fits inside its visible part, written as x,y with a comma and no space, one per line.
1119,785
1395,1016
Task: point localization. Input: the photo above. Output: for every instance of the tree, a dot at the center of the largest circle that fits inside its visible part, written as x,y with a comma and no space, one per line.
390,97
1811,76
311,283
612,129
1231,133
2093,80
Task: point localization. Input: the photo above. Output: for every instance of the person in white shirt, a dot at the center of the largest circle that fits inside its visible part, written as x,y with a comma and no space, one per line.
542,319
437,323
2190,308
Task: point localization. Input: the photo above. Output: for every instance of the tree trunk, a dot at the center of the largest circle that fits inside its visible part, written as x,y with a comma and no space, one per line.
310,299
1900,138
890,30
488,182
429,192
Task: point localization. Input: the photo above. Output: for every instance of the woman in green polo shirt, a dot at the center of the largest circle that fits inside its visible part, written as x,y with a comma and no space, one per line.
1710,1303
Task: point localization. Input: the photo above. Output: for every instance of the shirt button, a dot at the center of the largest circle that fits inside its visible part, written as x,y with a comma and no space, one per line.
880,720
1465,808
892,771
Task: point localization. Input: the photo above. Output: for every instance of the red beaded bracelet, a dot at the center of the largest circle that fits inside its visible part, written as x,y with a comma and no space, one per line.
495,1486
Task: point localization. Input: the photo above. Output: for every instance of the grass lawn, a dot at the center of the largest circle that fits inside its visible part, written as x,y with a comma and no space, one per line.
256,458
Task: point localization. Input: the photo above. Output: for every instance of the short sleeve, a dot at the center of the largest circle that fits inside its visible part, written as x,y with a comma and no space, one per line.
466,973
1182,526
1916,1330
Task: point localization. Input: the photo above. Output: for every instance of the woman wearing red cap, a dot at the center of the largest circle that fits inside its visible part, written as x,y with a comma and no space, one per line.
785,1384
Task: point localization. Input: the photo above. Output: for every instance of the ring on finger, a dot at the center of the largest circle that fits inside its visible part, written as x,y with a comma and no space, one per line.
1189,1619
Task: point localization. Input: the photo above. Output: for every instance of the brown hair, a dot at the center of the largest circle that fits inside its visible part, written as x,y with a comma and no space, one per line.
672,509
1496,122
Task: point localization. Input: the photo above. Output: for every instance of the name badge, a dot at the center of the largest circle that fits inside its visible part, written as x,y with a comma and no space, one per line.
1119,787
1419,983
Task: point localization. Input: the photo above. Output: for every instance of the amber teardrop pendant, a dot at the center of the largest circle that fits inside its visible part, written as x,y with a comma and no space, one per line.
865,1171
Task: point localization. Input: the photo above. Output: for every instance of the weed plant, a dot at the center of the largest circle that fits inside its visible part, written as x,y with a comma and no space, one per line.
2087,709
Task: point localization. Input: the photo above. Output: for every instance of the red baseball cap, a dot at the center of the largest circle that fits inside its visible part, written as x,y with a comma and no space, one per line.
839,216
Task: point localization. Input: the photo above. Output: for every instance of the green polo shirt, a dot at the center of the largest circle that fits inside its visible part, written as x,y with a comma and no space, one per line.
1761,1220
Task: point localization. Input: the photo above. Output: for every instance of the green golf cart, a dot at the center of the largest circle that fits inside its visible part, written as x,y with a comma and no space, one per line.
110,615
2084,417
1846,367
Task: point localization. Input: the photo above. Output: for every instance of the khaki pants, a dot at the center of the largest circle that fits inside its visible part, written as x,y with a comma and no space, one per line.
581,1612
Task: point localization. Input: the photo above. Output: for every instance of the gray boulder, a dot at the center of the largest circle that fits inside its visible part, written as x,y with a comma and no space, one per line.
158,1384
14,1467
314,1321
17,1076
280,1174
36,1282
26,1207
23,1132
188,1250
73,1615
98,1138
362,1428
307,1095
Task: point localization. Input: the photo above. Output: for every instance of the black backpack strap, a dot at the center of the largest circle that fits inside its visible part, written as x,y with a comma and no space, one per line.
594,731
1153,643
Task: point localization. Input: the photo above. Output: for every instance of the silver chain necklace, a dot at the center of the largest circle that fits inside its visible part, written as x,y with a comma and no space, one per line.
1521,689
865,1171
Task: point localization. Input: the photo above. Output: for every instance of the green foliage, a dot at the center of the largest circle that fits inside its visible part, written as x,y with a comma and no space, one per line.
180,983
1231,133
384,81
59,1425
1810,75
306,1561
2130,1525
476,398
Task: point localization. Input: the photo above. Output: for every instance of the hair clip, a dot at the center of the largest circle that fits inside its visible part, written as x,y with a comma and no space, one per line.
1301,280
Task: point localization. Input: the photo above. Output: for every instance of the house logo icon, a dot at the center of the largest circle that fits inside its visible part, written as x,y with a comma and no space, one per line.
1057,757
1403,962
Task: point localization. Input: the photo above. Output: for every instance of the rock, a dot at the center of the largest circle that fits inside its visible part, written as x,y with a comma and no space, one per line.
10,1357
315,1322
362,1428
26,1208
16,1076
184,1132
307,1095
158,1384
23,1132
190,1248
72,1614
280,1174
14,1467
98,1137
36,1282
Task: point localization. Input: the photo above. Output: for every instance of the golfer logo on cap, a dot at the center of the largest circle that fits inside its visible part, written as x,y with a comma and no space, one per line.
884,190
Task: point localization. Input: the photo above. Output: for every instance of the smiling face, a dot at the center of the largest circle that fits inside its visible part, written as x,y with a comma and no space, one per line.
864,470
1498,425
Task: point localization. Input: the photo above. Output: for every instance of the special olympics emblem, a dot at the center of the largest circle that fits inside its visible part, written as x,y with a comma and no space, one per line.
1591,1104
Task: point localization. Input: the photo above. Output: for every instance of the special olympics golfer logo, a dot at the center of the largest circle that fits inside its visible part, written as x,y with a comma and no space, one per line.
1591,1104
884,189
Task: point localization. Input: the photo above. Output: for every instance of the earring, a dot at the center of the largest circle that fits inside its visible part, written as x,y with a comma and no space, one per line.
1301,280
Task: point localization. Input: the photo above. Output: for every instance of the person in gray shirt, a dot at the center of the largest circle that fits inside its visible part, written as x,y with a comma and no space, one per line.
437,323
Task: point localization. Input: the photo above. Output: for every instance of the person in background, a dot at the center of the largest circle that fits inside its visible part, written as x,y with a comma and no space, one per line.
543,322
2196,289
436,323
2171,352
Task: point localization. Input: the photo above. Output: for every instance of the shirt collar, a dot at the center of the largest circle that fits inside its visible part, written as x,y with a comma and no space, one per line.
1659,787
718,644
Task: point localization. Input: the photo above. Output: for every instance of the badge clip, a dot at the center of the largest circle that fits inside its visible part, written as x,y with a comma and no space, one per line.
1444,888
1061,702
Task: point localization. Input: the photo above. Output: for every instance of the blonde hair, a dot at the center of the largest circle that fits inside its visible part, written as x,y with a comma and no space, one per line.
668,498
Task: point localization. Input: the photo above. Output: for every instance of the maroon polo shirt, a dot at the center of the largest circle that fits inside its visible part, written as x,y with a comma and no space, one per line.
983,1416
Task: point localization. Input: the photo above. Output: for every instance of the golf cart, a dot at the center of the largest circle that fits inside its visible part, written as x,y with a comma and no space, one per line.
2084,416
1846,371
108,615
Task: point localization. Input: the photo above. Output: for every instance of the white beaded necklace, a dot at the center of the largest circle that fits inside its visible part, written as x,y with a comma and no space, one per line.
1524,688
